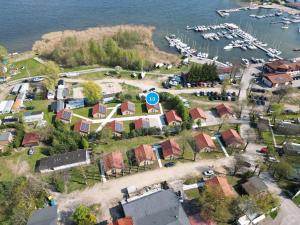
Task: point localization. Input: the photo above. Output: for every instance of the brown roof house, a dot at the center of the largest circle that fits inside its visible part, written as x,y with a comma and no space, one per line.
232,139
276,80
224,111
128,108
153,108
113,163
144,155
99,111
172,118
123,221
221,184
255,186
170,149
282,66
64,116
83,127
117,127
197,114
204,143
31,139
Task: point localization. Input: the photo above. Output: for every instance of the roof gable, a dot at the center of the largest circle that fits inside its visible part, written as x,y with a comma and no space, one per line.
144,153
197,113
113,160
170,147
172,116
204,141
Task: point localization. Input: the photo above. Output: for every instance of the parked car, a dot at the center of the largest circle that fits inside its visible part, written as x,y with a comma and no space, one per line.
264,150
273,159
152,89
170,164
208,173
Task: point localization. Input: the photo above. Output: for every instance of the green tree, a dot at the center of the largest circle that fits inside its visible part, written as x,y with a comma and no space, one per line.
277,109
3,53
83,216
266,202
282,169
51,70
92,92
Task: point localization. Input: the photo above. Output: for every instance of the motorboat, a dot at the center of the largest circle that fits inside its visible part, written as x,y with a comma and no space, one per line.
245,62
228,47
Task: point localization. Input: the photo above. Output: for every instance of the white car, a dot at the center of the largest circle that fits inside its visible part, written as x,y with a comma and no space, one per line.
273,159
208,173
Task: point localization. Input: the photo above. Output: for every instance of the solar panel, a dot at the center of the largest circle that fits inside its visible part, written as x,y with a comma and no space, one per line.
84,127
119,127
102,109
66,115
131,106
146,123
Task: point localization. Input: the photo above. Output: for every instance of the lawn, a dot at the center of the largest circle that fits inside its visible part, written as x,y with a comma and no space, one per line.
86,112
32,68
41,105
192,194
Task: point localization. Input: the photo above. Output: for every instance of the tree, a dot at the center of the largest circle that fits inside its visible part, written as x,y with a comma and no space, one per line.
83,216
224,87
92,92
3,53
282,169
277,109
283,92
51,70
266,202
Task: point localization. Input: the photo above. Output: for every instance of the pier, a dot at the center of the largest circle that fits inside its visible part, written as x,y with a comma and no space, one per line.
226,12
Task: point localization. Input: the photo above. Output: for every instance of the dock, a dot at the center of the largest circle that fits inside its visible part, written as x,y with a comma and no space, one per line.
226,12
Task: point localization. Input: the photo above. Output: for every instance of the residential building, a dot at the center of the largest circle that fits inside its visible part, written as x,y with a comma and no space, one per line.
291,148
147,123
24,88
282,66
276,80
64,115
44,216
16,88
99,111
224,111
31,139
17,106
63,161
8,106
83,127
232,139
170,149
10,120
172,118
30,117
123,221
144,155
116,127
220,184
62,93
197,114
255,186
75,104
2,106
113,163
108,97
159,208
153,108
128,108
5,139
204,143
228,73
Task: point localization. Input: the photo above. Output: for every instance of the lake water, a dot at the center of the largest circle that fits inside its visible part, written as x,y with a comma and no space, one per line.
24,21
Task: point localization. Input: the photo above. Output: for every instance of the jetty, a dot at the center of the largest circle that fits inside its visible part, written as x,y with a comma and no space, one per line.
226,12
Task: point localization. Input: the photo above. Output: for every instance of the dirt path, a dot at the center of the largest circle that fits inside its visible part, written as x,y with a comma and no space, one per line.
109,193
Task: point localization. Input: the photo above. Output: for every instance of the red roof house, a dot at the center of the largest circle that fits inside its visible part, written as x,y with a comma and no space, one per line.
197,220
128,108
116,127
204,142
144,155
99,111
123,221
152,108
275,80
173,118
232,138
197,114
221,184
224,110
31,139
83,127
64,115
170,149
113,163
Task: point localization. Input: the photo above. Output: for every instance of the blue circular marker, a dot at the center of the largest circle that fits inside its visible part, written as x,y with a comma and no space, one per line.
152,98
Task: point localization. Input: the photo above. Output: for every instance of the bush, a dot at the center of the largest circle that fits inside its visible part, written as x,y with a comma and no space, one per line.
59,184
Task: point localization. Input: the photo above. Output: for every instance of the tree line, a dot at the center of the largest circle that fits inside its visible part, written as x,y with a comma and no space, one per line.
205,72
117,50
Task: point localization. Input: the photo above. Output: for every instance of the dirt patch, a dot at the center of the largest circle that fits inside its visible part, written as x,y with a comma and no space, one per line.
18,168
146,47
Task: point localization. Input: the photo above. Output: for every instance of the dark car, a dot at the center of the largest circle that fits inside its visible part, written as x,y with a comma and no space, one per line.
29,107
152,89
170,164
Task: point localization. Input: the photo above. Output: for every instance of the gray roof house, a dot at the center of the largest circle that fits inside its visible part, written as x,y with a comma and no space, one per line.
63,161
255,186
162,207
58,106
29,117
291,148
45,216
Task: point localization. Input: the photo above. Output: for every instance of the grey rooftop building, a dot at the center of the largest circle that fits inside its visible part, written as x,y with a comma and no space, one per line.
45,216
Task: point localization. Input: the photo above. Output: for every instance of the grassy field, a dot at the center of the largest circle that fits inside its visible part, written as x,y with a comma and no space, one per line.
86,112
192,194
32,68
41,105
